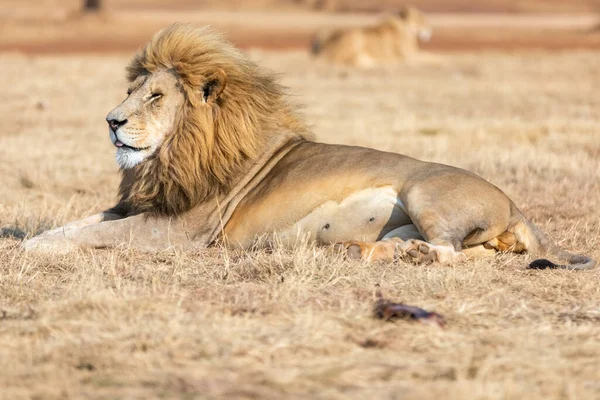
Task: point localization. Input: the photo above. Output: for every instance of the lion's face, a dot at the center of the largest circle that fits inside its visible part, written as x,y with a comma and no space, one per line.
416,20
140,124
197,116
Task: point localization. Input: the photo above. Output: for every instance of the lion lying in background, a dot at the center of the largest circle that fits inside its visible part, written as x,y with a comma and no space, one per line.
394,38
211,151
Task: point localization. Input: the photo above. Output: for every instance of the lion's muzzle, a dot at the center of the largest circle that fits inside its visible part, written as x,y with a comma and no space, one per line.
115,124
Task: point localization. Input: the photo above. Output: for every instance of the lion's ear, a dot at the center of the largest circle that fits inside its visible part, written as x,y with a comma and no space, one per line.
403,13
214,86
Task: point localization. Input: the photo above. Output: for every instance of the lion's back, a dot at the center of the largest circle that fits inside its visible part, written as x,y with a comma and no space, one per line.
363,46
343,46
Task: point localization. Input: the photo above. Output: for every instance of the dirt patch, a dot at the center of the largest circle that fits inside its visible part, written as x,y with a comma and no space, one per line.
115,32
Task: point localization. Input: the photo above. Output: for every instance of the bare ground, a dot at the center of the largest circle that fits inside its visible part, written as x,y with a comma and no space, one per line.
297,323
62,30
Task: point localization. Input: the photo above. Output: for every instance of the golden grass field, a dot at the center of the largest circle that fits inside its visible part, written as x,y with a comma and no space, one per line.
298,323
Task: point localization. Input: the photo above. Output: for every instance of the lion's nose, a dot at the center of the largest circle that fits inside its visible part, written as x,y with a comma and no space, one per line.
116,124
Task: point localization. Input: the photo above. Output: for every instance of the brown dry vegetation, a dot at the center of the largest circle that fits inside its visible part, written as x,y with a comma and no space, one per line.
488,6
113,31
57,26
298,324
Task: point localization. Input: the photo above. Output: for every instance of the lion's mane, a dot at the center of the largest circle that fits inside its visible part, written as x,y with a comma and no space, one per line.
213,143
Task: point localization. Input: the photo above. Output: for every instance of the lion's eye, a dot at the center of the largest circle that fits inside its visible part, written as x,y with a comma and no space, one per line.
155,96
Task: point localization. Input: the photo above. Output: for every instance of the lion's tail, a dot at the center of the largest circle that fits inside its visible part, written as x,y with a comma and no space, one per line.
538,243
316,45
318,41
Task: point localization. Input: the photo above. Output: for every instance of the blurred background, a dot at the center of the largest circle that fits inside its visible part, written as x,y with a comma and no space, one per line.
59,26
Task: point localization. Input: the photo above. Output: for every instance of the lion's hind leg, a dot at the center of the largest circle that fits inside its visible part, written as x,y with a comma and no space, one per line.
382,250
505,242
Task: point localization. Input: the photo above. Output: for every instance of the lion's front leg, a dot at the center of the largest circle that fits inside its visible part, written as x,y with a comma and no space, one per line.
57,240
92,220
141,231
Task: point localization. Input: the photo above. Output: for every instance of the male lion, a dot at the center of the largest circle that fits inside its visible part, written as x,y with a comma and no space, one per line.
394,38
211,150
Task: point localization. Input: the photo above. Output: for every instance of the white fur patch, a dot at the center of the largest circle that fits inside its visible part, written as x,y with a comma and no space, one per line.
424,35
154,136
127,158
361,216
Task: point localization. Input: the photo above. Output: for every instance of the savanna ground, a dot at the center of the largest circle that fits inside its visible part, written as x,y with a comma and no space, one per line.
298,323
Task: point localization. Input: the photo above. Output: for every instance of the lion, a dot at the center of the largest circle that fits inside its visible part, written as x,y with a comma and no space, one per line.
394,38
212,152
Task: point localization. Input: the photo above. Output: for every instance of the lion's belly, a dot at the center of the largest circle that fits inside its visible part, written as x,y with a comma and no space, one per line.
366,215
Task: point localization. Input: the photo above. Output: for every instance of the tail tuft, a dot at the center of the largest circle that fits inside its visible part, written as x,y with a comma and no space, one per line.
316,46
538,243
542,263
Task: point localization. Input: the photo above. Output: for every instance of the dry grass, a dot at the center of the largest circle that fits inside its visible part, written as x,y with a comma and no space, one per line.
38,27
291,324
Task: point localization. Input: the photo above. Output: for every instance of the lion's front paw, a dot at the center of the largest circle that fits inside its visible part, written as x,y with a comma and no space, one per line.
48,244
383,250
